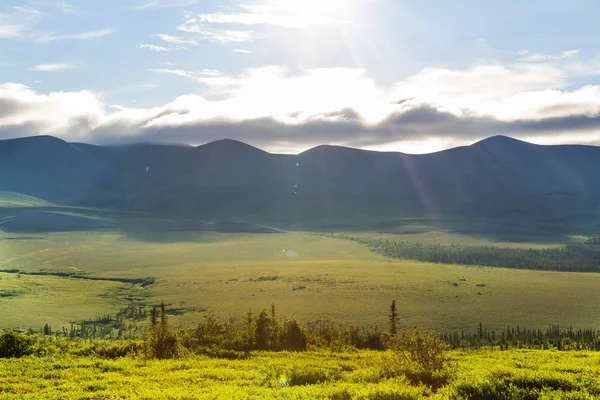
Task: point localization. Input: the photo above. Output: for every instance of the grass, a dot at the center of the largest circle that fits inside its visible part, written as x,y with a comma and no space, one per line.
315,277
313,375
37,300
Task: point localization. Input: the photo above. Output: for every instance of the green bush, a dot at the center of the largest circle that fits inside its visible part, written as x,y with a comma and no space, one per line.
161,342
15,345
111,349
420,356
308,375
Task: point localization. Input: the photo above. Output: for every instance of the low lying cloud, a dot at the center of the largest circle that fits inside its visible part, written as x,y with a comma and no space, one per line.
290,110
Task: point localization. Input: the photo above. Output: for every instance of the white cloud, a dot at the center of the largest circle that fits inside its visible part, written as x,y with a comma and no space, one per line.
176,40
50,37
570,53
484,89
188,74
158,4
65,8
527,56
202,32
17,21
52,67
156,48
242,51
178,72
272,105
286,13
68,114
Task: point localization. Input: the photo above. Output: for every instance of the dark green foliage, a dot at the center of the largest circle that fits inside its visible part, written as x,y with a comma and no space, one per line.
292,336
570,258
309,375
393,319
161,341
326,334
552,338
420,356
263,331
15,345
107,326
111,349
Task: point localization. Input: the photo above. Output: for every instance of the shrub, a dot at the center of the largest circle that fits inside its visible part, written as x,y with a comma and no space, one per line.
309,375
292,336
420,356
15,345
161,341
110,349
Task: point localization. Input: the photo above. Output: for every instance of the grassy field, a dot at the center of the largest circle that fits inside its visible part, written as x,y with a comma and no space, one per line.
314,375
307,276
31,301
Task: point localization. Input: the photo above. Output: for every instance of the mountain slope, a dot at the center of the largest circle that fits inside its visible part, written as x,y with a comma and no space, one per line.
498,178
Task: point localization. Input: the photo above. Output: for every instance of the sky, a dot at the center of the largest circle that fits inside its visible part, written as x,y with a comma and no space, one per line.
287,75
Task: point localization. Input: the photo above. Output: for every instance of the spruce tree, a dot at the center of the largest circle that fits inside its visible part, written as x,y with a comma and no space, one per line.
393,319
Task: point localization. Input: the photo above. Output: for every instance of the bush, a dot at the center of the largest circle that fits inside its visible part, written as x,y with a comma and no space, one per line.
15,345
420,356
110,350
292,337
309,375
161,342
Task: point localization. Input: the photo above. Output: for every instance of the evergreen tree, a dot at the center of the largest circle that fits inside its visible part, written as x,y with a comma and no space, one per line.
393,319
162,341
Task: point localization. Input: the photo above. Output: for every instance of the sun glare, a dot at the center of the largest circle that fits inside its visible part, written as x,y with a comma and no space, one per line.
314,10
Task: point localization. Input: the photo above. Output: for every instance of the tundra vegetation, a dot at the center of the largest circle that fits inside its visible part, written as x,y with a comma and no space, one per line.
295,315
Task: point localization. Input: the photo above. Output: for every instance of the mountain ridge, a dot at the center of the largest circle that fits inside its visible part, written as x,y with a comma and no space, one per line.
499,178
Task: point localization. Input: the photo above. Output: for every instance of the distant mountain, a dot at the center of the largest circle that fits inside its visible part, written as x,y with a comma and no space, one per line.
497,179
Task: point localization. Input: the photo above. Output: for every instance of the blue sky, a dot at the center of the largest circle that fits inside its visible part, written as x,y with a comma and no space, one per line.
286,75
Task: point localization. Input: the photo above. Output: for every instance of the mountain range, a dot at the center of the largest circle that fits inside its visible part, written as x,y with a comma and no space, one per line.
499,179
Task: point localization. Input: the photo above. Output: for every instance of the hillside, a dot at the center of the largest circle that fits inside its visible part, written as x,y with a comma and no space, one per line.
498,179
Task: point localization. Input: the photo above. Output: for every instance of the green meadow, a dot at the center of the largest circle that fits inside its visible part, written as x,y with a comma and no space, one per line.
307,276
484,374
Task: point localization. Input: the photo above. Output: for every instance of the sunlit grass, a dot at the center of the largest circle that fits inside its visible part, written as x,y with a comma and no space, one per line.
315,277
312,375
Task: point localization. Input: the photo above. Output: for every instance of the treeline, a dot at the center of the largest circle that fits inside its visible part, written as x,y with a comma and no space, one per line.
552,338
570,258
123,325
267,331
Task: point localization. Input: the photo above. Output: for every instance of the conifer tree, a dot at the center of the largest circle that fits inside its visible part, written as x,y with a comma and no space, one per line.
393,319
